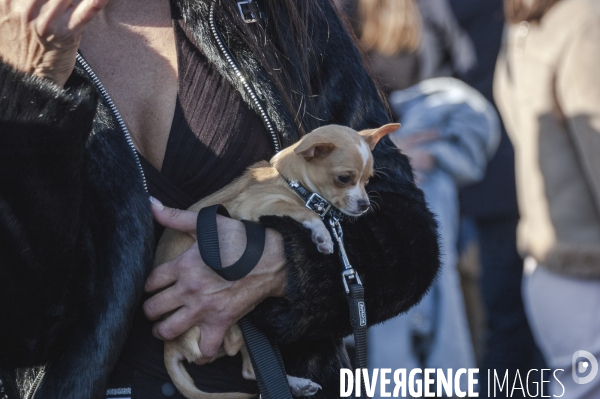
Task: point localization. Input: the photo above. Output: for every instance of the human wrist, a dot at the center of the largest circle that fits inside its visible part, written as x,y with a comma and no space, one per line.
270,274
232,239
275,257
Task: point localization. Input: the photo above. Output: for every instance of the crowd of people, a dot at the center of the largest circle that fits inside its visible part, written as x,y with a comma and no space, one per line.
537,62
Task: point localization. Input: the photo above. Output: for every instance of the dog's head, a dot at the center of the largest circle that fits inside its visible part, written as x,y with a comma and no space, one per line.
336,162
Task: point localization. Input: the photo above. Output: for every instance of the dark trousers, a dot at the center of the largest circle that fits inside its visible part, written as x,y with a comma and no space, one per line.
509,343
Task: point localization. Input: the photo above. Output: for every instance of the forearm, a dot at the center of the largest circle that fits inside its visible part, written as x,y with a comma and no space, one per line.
42,142
43,130
394,249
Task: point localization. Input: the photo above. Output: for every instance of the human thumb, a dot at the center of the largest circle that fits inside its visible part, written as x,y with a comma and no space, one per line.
172,218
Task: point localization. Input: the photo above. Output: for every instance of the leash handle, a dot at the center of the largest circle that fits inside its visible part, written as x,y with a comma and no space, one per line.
264,354
208,243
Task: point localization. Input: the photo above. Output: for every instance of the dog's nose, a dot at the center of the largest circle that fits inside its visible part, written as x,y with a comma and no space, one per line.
363,204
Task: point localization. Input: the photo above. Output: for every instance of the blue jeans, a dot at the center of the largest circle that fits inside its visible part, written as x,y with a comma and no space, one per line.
564,317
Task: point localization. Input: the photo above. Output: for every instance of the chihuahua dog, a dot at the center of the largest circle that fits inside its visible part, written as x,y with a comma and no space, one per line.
334,161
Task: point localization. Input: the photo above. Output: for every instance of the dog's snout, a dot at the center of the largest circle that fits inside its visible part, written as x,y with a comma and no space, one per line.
363,204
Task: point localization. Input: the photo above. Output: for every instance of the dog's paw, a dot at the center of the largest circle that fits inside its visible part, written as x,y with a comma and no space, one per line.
324,243
302,386
320,236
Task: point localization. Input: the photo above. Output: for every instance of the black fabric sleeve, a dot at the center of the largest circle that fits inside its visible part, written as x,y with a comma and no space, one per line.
43,133
394,248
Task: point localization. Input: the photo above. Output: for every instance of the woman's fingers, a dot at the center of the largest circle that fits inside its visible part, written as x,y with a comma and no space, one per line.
162,303
84,12
176,219
52,10
174,325
41,37
162,276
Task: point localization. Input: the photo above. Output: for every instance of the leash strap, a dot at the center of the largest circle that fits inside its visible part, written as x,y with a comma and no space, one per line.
264,354
355,295
358,319
208,243
267,362
355,292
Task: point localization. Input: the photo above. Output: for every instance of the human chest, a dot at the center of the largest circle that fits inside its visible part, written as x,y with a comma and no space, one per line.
135,58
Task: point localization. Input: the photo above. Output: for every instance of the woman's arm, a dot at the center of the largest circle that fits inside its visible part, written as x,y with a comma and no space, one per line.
192,294
394,248
578,96
43,131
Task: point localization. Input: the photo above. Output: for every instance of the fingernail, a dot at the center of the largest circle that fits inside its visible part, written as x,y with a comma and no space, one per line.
157,203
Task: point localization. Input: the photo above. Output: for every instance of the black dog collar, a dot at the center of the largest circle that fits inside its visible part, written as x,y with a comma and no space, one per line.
314,201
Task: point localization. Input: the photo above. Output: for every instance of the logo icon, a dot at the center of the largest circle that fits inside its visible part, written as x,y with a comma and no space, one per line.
362,314
581,367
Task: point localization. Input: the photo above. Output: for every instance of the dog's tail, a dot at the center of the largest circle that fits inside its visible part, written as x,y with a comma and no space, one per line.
185,384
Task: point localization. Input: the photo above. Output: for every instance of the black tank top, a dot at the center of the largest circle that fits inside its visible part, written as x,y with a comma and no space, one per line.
214,137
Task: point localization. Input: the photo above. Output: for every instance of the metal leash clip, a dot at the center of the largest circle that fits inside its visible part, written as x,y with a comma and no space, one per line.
331,217
349,275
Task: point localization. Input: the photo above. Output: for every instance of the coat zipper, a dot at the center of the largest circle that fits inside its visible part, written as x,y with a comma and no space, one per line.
36,383
226,53
113,109
230,60
117,115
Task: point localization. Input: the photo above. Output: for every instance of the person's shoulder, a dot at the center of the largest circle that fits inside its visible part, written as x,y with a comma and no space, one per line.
564,24
573,16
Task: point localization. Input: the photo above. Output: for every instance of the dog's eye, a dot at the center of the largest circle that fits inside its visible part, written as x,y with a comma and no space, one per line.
344,179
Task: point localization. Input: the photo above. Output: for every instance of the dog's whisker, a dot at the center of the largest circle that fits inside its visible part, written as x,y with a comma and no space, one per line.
379,173
374,205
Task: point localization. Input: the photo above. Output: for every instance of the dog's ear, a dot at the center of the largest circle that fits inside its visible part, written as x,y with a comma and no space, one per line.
372,136
314,146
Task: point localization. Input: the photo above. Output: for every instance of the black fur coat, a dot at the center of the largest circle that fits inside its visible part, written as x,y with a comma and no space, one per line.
76,233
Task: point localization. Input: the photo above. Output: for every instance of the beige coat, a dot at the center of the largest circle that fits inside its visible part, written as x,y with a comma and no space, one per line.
547,87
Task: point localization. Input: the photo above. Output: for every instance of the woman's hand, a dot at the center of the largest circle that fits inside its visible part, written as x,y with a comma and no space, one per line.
193,294
41,37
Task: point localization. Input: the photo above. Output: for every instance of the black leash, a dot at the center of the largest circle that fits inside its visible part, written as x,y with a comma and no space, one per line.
355,292
208,243
264,354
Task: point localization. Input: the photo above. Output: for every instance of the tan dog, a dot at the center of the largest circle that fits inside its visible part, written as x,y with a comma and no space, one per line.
334,161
